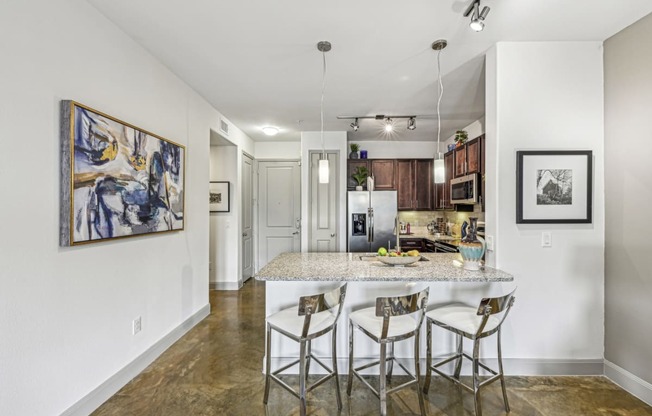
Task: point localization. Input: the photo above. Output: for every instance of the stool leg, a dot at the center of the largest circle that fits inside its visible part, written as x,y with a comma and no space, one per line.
502,376
268,362
460,351
349,382
337,379
383,379
476,378
302,378
390,364
308,353
426,384
417,373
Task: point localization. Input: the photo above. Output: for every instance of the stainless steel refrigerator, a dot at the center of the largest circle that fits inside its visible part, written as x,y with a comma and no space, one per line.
371,220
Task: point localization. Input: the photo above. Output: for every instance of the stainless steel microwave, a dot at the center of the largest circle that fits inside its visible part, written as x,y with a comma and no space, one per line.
464,190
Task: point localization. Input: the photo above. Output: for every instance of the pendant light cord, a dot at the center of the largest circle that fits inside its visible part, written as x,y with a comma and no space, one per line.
323,87
441,94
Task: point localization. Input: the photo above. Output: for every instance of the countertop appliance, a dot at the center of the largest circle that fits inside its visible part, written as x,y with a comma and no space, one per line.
464,190
371,220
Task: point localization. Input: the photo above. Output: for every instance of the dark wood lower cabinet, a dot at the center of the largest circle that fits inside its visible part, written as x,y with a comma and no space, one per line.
411,244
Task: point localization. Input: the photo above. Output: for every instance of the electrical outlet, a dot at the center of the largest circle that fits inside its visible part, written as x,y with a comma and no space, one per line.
546,239
136,326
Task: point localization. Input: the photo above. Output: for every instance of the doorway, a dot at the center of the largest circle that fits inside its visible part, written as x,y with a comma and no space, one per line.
279,209
323,207
247,216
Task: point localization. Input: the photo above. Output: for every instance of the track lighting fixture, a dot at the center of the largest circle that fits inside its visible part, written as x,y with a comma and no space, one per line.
388,121
477,16
388,125
355,126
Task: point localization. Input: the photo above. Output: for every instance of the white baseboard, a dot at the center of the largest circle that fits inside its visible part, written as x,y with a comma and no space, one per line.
104,391
628,381
225,285
511,366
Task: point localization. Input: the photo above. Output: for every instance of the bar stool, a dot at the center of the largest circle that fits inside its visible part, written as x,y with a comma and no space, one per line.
388,322
474,324
315,318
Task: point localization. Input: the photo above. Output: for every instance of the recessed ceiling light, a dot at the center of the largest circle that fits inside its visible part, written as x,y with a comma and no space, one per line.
270,130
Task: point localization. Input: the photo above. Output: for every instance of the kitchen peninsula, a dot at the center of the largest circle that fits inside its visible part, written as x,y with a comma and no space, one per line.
291,275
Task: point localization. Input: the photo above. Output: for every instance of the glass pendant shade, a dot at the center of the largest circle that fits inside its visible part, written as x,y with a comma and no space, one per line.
323,171
440,173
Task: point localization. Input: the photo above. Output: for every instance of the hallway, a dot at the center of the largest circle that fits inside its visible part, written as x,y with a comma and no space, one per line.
215,369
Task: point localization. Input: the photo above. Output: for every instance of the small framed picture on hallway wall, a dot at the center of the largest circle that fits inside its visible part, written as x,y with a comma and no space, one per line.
554,186
219,196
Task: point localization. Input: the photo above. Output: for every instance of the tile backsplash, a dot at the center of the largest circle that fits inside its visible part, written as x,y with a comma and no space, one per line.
422,218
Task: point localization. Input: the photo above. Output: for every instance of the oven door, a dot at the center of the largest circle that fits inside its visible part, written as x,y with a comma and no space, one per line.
464,190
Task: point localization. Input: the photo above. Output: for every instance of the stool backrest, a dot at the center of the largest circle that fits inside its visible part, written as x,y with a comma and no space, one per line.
492,306
401,305
322,302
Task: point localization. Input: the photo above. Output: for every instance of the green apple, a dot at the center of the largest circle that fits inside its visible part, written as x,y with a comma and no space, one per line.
382,251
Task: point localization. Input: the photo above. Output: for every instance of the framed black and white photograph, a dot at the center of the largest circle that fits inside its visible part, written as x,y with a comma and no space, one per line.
554,186
219,196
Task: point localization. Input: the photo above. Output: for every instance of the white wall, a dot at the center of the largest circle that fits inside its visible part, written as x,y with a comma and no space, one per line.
224,256
333,141
277,150
547,96
628,281
66,313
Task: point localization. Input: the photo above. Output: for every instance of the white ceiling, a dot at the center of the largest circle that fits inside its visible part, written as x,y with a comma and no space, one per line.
256,61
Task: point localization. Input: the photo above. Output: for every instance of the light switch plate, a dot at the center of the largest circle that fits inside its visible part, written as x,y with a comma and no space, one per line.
490,243
546,239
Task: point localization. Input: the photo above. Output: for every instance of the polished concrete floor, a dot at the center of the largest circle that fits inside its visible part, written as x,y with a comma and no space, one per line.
215,369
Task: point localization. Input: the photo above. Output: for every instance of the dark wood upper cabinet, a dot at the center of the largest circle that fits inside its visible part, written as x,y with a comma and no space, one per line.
414,184
468,158
351,167
423,180
405,184
384,173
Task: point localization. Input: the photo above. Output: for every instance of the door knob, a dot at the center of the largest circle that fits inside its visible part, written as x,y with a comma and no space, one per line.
244,234
295,233
333,235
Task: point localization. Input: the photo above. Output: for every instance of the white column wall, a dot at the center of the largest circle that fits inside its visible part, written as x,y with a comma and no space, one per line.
547,96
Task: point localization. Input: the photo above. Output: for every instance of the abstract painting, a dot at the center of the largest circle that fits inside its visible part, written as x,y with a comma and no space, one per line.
219,196
117,180
554,186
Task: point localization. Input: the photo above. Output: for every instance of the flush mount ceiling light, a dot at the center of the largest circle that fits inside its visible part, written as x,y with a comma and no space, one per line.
477,18
270,130
388,121
324,171
440,173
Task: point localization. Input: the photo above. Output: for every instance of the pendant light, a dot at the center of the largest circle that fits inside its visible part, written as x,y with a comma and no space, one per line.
324,171
440,172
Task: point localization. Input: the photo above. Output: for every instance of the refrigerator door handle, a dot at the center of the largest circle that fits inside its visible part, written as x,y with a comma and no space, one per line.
370,234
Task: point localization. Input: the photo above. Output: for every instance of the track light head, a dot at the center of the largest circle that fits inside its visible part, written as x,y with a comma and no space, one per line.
477,25
355,126
412,123
477,16
388,125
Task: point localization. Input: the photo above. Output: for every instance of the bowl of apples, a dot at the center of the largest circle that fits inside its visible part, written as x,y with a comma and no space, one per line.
397,258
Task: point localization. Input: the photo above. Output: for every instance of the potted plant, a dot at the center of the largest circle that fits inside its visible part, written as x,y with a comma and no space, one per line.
354,151
360,176
460,137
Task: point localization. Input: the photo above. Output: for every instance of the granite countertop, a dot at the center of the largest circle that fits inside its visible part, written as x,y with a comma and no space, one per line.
362,267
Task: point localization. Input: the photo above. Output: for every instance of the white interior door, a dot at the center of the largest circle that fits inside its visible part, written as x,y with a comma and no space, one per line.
279,209
247,217
323,205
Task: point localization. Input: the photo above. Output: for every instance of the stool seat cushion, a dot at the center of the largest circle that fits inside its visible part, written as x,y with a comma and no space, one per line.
289,321
463,318
398,325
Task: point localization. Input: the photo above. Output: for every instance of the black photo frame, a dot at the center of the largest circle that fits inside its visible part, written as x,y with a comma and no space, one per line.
219,198
554,187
